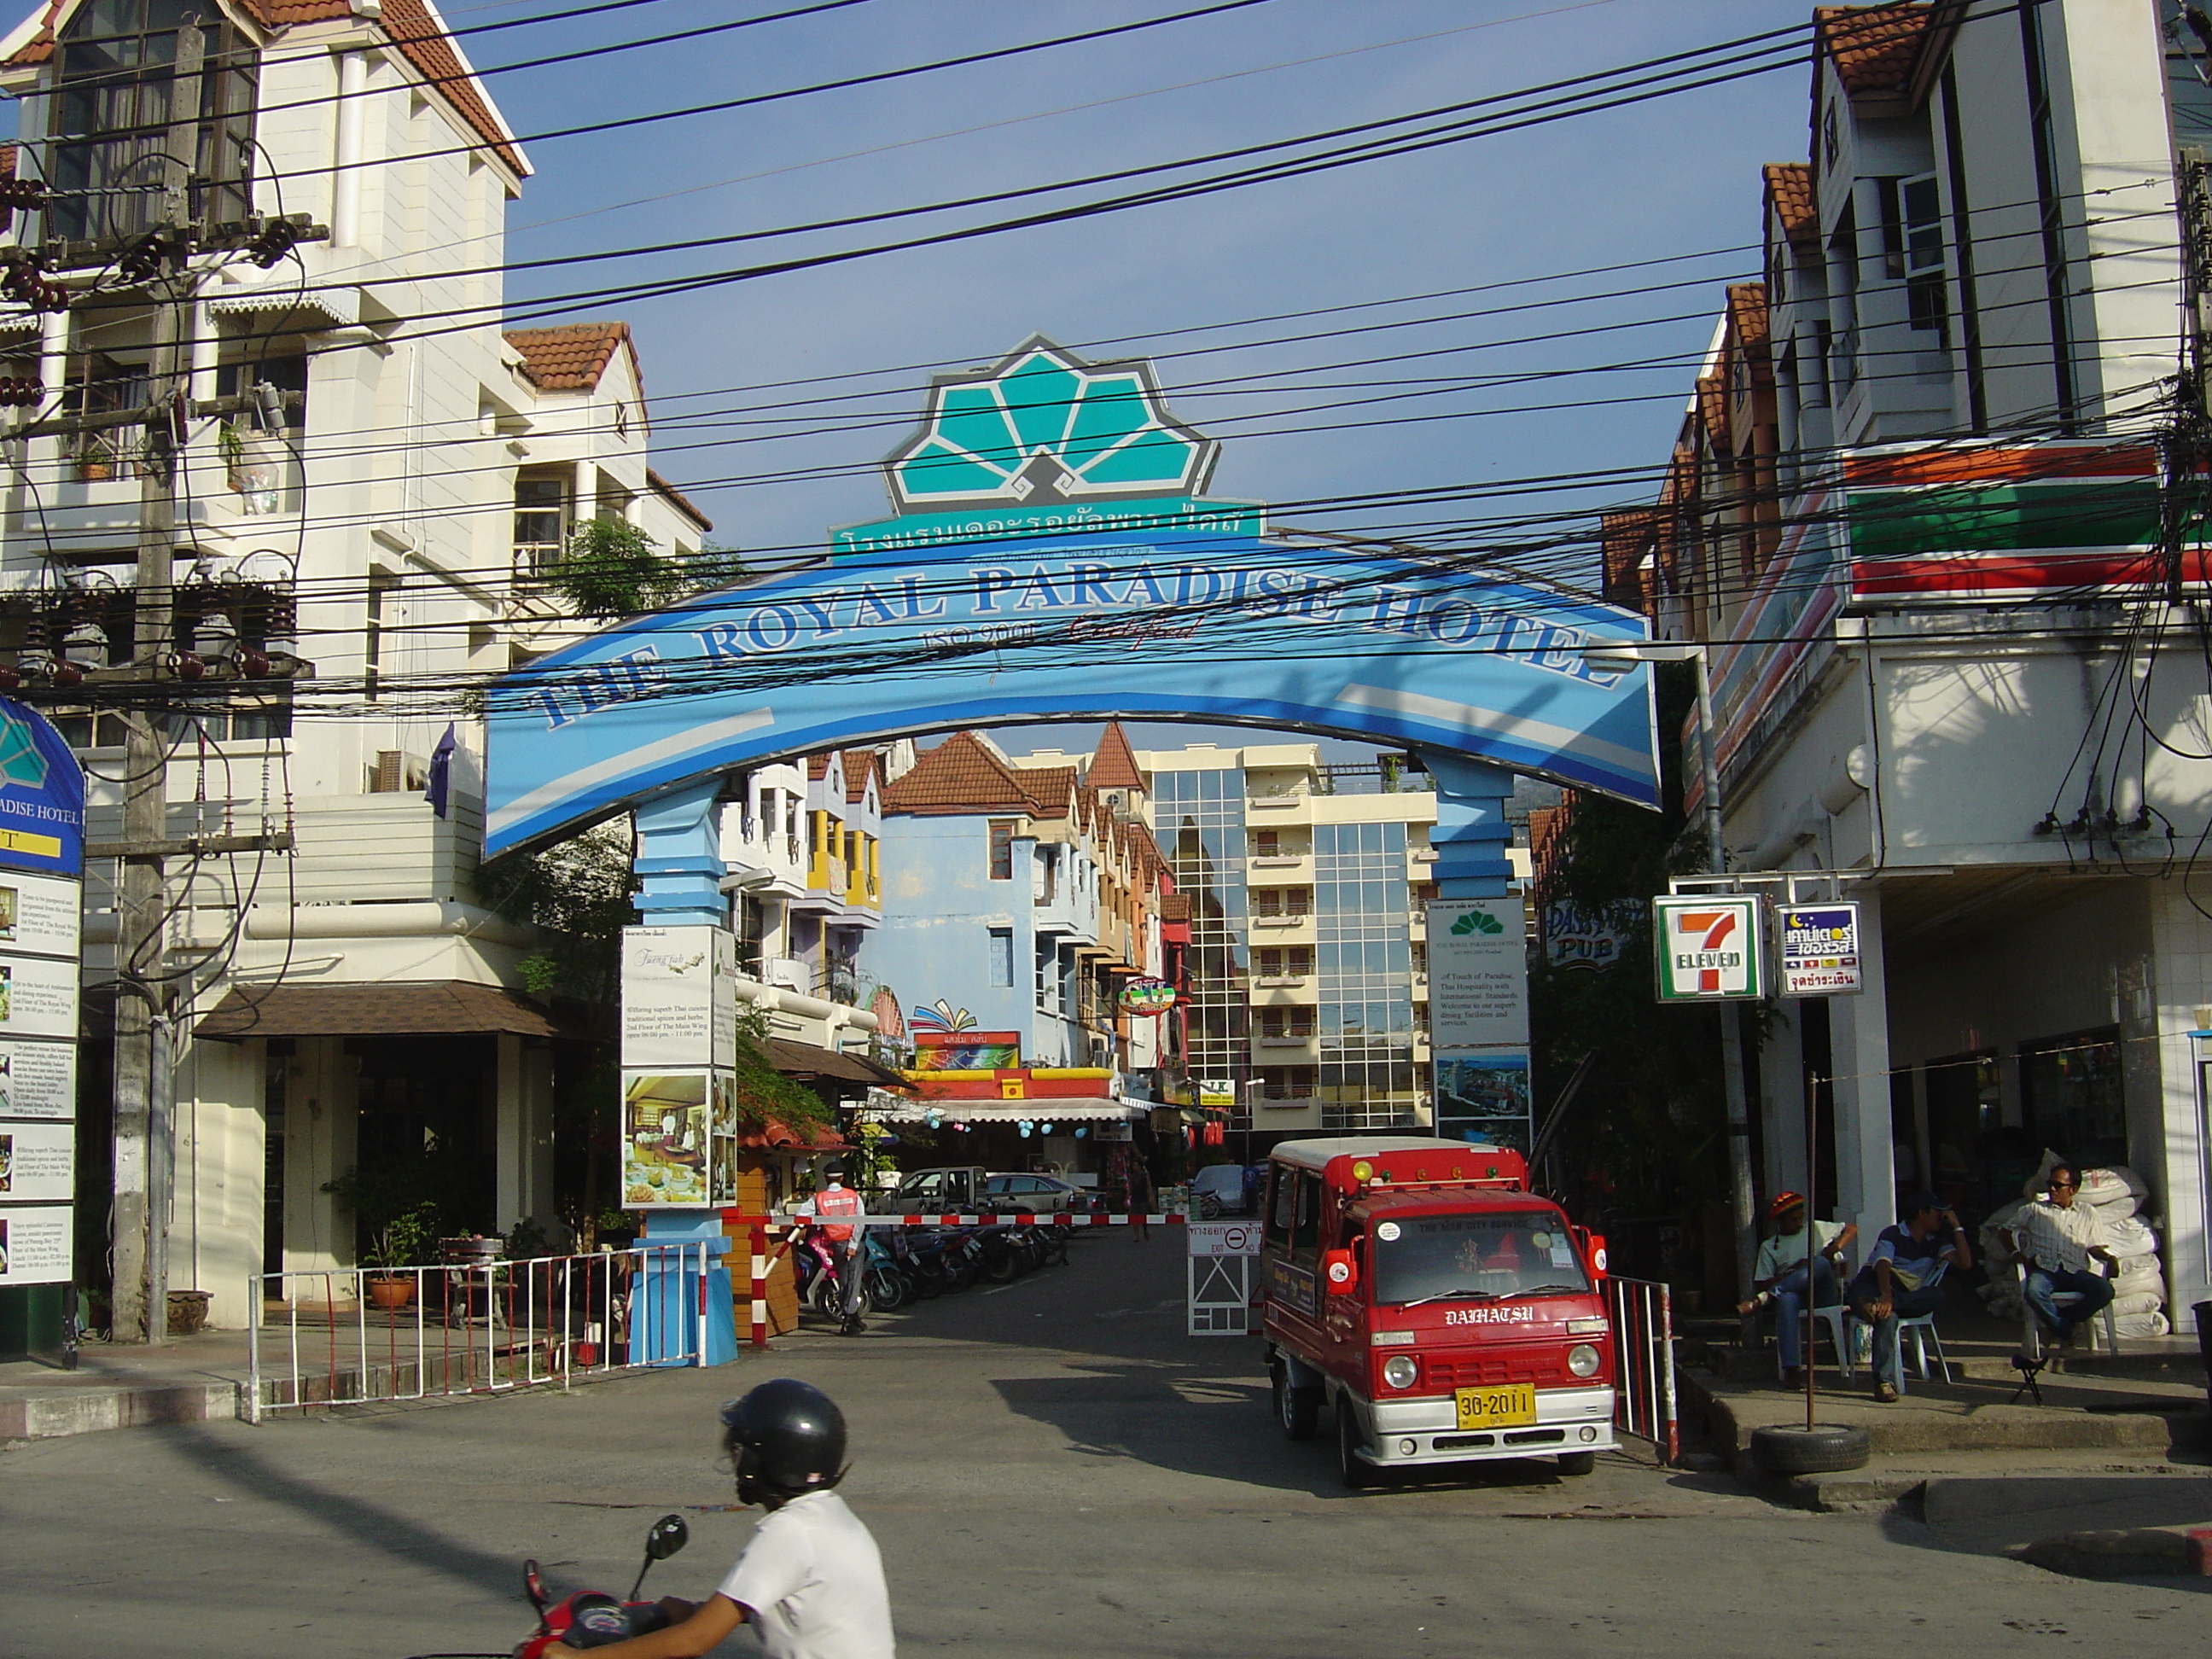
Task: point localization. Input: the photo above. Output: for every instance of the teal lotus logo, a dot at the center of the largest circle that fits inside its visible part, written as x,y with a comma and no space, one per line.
1477,921
1043,425
21,762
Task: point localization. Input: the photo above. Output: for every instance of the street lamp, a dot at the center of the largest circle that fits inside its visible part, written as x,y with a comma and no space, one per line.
1625,654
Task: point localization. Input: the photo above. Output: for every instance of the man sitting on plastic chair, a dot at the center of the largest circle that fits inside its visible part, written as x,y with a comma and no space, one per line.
1793,1283
2056,1240
1903,1278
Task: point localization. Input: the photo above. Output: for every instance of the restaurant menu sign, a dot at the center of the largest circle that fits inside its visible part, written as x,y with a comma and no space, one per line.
41,907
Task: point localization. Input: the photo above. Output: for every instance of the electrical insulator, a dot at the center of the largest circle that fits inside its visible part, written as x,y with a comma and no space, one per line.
21,394
276,239
29,194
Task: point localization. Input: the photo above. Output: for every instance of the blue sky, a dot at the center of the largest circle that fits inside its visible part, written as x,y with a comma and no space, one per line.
1670,177
1673,176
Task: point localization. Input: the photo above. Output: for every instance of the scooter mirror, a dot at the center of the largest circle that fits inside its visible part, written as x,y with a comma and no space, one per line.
534,1587
668,1534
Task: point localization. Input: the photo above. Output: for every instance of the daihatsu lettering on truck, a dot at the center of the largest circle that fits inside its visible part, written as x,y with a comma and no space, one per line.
1441,1309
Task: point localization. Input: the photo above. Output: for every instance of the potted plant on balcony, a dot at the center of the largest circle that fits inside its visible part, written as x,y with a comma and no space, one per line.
403,1242
95,461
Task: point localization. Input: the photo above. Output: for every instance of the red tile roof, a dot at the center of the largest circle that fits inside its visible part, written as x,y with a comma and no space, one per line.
1712,410
1114,765
413,28
1790,193
571,358
1873,48
860,764
1747,303
674,497
959,777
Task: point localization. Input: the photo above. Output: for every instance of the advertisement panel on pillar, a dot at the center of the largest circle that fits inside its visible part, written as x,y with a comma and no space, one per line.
34,1245
1709,947
38,1161
1477,973
678,996
1484,1098
38,1079
667,1139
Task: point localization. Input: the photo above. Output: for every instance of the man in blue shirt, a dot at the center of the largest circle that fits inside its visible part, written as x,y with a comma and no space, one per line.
1903,1278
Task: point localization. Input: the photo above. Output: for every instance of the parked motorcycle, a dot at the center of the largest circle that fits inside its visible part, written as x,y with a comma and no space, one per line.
592,1619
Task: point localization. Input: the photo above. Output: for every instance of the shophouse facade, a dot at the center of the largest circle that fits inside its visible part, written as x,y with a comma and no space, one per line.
1916,510
354,999
1017,899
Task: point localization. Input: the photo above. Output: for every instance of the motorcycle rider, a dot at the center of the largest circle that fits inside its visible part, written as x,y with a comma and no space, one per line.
836,1199
812,1580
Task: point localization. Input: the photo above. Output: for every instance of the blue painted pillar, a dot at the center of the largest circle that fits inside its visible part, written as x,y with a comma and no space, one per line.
679,859
671,1310
1471,831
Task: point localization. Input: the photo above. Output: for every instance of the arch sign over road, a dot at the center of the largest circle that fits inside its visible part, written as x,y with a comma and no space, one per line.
1053,558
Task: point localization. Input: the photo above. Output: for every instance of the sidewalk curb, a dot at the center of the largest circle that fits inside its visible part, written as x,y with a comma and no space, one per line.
90,1410
2131,1552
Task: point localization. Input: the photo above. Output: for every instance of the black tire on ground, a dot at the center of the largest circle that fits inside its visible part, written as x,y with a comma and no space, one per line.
886,1289
1355,1471
1822,1450
1209,1207
1298,1410
1577,1462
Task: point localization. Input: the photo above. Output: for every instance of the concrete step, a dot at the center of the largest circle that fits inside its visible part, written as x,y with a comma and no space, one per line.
1931,1420
47,1415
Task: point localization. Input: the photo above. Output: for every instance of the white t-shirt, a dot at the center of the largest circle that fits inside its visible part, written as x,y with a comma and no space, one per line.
813,1581
1785,1252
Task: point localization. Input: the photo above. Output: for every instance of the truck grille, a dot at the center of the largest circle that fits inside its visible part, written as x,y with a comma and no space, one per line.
1488,1370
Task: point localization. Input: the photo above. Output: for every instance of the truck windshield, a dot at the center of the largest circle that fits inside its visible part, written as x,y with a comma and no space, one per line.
1474,1258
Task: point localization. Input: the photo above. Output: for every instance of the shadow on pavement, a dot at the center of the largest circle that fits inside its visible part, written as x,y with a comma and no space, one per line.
1999,1515
231,1457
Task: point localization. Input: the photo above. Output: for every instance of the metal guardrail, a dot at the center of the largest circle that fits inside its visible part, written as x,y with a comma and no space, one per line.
350,1336
1644,1399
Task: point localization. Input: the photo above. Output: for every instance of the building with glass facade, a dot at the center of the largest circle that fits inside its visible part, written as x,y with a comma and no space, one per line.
1308,993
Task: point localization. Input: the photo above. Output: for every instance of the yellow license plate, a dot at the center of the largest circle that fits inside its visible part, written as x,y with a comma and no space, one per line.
1496,1408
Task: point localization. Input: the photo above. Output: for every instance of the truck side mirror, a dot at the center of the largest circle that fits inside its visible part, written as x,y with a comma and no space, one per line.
1594,1250
1339,1272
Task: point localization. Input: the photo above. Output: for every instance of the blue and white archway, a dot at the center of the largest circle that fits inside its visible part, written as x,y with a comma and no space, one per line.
1049,562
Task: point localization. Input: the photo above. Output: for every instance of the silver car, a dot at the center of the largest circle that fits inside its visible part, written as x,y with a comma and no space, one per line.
1033,1194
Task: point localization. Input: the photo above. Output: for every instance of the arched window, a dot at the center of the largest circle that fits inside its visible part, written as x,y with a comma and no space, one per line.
120,78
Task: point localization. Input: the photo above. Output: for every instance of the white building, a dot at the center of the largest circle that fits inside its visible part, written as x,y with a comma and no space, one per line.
352,1002
1917,506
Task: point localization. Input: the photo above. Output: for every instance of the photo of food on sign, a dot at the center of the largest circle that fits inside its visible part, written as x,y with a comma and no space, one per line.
7,1164
665,1139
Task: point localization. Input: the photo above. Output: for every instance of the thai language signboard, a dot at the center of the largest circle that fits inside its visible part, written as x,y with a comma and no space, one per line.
1820,950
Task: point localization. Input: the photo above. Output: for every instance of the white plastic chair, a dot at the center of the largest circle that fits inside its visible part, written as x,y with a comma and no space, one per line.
1834,1316
2033,1338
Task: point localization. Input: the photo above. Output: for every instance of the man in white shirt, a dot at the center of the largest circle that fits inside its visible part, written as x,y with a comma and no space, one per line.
2056,1239
812,1580
1784,1276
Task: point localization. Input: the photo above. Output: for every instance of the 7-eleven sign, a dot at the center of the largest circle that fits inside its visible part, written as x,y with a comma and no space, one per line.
1709,946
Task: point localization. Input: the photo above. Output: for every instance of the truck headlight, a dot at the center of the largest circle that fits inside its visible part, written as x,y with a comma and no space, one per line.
1400,1371
1581,1359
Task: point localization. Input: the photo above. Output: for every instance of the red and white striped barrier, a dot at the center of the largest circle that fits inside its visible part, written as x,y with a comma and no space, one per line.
1024,1218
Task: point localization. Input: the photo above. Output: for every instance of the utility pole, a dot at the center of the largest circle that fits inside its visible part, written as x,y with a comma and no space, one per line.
159,258
144,1144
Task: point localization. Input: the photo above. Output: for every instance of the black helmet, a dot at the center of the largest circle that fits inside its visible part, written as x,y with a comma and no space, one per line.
786,1437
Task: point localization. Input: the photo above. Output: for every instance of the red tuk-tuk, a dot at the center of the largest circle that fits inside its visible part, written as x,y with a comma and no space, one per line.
1443,1311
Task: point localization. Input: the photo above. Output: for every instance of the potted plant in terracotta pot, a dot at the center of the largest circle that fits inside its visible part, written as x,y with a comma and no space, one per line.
403,1242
